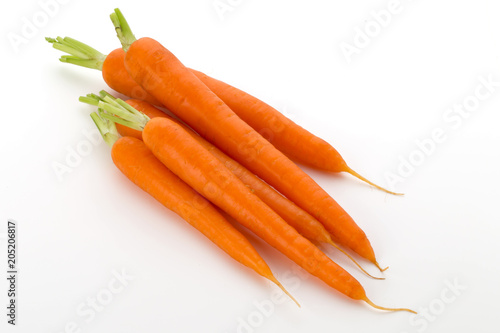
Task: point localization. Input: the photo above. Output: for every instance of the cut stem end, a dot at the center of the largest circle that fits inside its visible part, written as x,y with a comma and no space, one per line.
113,110
78,53
123,31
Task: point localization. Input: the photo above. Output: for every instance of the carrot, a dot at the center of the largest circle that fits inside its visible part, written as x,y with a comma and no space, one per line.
163,76
290,138
181,153
304,223
326,213
137,163
114,73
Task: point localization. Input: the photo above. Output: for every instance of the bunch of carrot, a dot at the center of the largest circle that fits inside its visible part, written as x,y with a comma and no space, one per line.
213,155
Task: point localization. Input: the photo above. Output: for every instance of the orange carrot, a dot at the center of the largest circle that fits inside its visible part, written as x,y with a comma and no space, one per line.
304,223
121,81
290,138
327,212
137,163
293,140
163,76
181,153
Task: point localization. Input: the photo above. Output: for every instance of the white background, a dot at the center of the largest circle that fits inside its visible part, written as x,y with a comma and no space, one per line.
74,233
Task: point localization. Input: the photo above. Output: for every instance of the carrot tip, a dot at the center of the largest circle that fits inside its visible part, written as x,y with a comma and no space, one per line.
357,175
387,309
355,262
273,279
380,268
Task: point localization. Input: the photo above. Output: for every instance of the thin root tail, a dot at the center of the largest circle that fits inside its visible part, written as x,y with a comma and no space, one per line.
380,268
387,309
273,279
357,175
355,262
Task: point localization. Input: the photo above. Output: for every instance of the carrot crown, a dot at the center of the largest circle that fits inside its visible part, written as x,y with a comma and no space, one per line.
79,54
122,28
105,126
113,110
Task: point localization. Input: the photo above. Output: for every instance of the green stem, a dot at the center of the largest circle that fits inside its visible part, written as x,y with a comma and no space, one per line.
122,29
91,99
88,63
120,121
107,129
104,93
80,54
88,100
132,115
116,110
129,108
121,113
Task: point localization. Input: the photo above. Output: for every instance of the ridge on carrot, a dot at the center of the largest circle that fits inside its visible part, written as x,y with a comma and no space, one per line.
290,138
191,162
138,164
299,219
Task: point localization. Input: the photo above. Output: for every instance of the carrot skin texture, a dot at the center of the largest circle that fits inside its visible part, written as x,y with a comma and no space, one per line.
182,154
296,217
290,138
299,219
293,140
117,78
138,164
162,75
